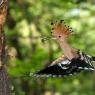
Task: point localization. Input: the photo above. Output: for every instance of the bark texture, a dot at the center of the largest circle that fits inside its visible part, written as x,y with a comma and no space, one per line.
4,80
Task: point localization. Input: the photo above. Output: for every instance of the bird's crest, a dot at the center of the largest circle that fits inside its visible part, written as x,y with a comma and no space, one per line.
59,28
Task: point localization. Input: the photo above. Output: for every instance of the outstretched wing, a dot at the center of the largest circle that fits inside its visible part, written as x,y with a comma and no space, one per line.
84,61
81,64
54,70
60,69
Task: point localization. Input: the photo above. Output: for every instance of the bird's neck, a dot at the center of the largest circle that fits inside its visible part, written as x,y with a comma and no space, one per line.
69,52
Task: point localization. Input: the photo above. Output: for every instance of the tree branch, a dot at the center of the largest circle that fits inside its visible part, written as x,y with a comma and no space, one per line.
4,80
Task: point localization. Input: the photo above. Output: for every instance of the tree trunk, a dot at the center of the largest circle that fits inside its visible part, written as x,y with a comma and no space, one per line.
4,80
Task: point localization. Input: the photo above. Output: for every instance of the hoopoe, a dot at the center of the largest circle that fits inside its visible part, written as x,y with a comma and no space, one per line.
73,61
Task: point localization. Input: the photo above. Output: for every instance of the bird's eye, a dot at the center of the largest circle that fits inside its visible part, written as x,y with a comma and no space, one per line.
59,36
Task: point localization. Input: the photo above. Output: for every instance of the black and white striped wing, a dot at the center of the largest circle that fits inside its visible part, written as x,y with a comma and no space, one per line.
58,70
54,70
84,61
81,64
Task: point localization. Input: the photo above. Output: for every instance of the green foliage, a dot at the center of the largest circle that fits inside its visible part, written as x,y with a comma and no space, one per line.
28,20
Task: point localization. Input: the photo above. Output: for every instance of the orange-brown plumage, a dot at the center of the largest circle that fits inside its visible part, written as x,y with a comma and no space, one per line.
59,28
61,31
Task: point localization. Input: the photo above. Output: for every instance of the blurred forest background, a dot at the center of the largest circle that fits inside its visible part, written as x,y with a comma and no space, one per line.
27,21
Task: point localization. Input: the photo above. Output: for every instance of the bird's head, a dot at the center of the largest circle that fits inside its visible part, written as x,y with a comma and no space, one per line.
60,30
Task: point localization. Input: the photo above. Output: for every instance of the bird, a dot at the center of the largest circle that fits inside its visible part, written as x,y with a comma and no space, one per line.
72,62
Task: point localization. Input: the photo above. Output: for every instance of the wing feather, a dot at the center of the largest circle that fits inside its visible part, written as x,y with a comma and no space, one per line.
58,70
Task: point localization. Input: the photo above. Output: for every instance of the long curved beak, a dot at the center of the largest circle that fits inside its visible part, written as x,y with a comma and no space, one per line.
47,38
